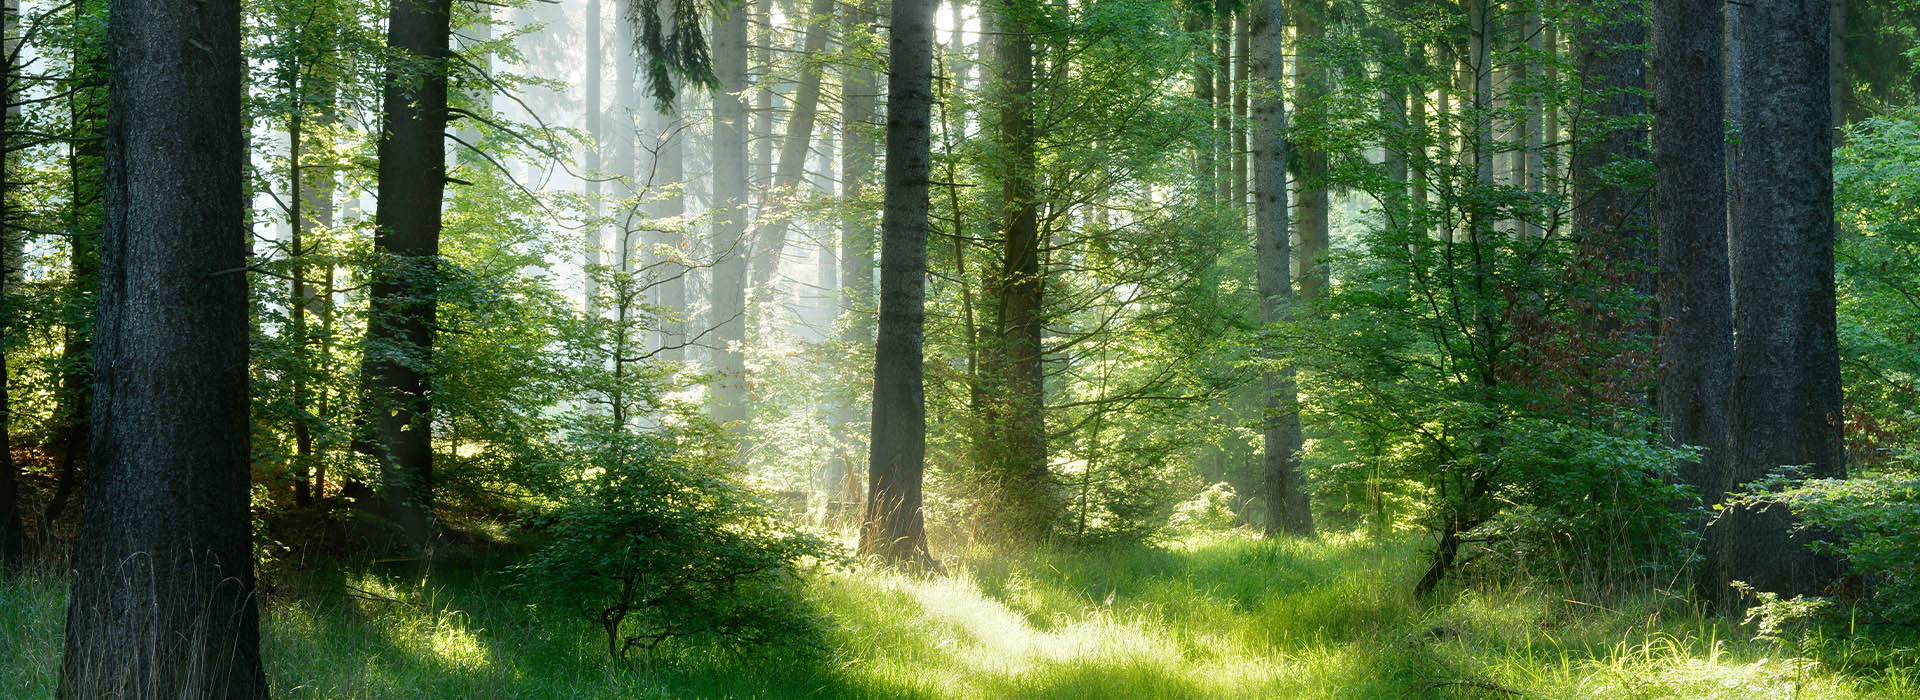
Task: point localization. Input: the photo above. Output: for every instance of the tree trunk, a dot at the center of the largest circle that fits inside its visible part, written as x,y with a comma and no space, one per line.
12,530
857,88
1286,492
1237,193
1310,161
728,290
1696,304
403,309
1197,23
590,161
1786,397
1610,215
163,603
775,211
1023,502
894,528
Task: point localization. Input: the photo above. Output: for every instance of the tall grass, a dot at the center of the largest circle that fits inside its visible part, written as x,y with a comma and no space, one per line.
1227,616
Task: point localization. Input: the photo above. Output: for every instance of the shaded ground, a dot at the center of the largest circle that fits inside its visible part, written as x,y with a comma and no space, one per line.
1229,617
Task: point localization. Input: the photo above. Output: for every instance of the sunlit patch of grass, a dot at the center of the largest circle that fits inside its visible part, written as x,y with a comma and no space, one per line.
1219,616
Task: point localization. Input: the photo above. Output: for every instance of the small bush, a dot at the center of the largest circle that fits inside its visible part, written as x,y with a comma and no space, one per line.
1874,523
653,540
1211,510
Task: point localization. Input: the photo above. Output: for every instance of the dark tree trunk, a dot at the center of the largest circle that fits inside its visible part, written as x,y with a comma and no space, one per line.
729,303
1690,213
400,322
1286,492
894,528
12,530
1023,503
1786,397
775,211
163,602
1610,212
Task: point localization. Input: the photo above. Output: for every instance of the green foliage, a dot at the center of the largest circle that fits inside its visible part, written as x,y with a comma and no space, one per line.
1874,523
1876,181
652,540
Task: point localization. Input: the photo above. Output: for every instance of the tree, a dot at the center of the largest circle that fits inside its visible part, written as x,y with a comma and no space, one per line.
1786,394
12,530
401,320
776,204
894,527
1694,292
1013,446
163,602
729,245
1285,492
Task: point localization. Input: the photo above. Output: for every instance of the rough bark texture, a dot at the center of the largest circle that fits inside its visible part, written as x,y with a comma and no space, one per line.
1690,213
776,216
894,528
1013,450
163,603
1286,492
400,322
1786,368
1610,210
729,244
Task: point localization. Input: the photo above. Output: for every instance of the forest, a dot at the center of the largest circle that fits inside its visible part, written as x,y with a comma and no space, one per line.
1438,349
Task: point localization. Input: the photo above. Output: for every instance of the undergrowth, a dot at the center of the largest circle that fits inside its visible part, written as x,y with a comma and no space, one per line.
1219,616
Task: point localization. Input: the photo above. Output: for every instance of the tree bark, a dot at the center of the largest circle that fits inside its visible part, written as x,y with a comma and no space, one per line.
1023,503
728,290
1690,204
403,308
1786,396
857,97
163,603
12,529
1310,161
894,528
1286,493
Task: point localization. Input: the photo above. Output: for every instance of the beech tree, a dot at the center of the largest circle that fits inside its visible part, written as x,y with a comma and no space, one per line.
163,601
894,527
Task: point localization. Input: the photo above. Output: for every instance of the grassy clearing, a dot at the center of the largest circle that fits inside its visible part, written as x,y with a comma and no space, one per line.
1226,617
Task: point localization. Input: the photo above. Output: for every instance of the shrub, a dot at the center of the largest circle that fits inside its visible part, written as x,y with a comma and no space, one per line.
1873,522
653,540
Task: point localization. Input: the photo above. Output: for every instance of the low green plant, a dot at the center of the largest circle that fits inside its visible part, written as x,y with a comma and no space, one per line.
654,540
1873,523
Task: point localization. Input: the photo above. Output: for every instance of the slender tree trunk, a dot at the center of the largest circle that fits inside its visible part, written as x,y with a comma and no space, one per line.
12,529
1197,23
776,215
1534,180
762,137
858,86
1222,97
1786,396
401,317
163,603
729,304
1243,36
1309,159
1286,493
894,528
595,232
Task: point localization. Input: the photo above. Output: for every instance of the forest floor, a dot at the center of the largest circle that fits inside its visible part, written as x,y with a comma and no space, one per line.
1227,616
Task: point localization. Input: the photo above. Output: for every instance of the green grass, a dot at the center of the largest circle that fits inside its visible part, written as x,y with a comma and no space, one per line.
1226,617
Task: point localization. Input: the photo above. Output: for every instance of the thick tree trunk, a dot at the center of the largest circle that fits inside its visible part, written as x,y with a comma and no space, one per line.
1694,290
163,603
403,308
1015,454
1286,493
1786,398
894,528
728,290
12,529
775,211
